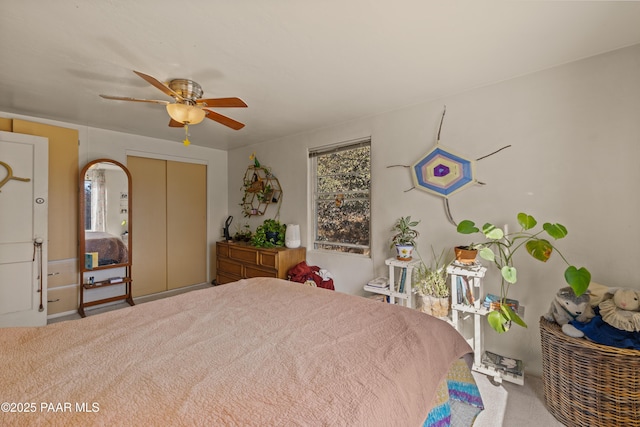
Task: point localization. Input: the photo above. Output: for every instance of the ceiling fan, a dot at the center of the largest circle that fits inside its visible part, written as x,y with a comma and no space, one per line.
189,108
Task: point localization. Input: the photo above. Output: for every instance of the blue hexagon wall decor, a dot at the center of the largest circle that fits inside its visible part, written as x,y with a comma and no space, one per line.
443,172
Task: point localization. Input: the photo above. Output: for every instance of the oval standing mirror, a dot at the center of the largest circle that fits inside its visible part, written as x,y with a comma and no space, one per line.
105,230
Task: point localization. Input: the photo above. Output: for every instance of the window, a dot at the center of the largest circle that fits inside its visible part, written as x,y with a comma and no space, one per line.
341,179
87,204
95,200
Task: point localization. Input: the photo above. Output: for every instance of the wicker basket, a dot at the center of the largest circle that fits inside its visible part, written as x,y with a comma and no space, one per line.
589,384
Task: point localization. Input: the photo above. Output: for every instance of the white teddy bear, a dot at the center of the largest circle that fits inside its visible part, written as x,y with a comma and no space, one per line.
620,308
626,299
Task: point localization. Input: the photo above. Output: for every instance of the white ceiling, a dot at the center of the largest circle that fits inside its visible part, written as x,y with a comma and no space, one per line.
298,64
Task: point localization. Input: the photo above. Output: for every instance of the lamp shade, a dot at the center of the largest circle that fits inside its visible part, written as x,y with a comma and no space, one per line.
185,113
292,236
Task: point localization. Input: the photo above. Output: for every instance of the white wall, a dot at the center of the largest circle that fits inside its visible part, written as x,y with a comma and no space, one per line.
288,160
116,183
575,136
99,143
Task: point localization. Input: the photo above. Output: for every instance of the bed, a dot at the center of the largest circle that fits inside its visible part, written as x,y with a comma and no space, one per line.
260,351
110,248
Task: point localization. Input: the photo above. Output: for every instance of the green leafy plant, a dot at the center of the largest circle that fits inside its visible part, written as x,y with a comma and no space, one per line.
500,249
269,235
432,279
405,234
243,233
265,194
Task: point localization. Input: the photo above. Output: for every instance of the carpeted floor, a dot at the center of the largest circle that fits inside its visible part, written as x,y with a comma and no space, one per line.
495,402
512,405
526,405
140,300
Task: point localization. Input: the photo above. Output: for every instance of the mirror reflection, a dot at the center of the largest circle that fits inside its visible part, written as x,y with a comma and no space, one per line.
106,215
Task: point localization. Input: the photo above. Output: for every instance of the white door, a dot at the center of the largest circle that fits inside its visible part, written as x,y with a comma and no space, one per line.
23,229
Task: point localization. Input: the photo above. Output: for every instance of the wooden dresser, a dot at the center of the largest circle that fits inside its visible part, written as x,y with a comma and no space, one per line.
237,260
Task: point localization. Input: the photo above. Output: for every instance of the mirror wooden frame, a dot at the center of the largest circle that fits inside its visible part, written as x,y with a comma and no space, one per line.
86,281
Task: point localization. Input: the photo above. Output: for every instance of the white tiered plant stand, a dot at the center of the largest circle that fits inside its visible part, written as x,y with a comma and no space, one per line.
474,275
393,291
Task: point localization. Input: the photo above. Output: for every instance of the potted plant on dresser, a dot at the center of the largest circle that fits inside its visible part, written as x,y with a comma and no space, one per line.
405,238
243,233
430,285
269,235
500,249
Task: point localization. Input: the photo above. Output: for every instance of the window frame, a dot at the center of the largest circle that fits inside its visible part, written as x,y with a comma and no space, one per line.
313,154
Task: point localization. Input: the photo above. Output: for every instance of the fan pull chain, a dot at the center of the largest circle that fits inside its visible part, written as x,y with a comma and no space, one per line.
186,141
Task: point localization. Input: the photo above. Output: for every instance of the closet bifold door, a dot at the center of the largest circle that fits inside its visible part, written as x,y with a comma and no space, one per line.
171,245
149,179
186,224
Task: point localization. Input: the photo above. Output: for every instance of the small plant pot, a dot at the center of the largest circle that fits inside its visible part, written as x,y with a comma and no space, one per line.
434,306
464,255
404,252
442,307
272,236
427,303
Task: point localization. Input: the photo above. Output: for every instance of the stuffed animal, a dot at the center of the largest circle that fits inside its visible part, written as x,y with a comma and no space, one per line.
566,306
620,308
626,299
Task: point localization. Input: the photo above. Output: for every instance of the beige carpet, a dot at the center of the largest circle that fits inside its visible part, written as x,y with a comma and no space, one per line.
495,402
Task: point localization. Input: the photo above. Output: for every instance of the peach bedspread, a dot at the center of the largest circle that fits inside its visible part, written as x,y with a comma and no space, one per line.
261,351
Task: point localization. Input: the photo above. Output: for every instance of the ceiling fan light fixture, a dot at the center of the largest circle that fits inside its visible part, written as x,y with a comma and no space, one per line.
189,107
185,113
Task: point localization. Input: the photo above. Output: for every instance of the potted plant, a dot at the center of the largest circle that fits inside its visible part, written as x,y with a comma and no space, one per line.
431,286
466,254
243,233
500,249
266,194
270,234
405,238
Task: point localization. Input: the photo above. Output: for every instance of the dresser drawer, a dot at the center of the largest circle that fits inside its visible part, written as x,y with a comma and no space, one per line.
238,260
62,299
227,266
257,272
249,256
223,278
222,250
268,259
62,273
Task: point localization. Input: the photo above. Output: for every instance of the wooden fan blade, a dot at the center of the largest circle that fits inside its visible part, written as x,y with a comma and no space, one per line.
158,84
175,124
221,102
126,98
224,120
